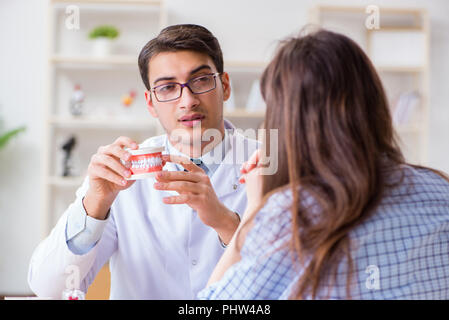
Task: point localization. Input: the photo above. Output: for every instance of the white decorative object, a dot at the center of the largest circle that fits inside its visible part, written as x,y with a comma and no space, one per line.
76,101
230,103
102,47
405,107
255,99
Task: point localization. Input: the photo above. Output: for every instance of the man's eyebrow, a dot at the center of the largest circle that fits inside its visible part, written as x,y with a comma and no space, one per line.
162,79
204,66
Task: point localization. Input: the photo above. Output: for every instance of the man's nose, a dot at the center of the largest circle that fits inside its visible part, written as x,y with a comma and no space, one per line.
188,100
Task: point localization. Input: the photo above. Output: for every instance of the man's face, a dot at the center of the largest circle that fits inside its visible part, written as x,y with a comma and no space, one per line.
190,111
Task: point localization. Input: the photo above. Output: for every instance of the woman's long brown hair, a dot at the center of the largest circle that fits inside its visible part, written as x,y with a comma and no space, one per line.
327,102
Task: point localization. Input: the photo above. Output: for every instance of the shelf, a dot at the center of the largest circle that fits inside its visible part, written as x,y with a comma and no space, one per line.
129,123
118,60
360,9
241,113
131,60
404,69
108,3
395,29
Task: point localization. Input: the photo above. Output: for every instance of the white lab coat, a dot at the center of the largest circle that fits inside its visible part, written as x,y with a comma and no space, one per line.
155,251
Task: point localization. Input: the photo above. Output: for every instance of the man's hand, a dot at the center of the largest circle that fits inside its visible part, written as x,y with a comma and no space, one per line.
195,190
107,176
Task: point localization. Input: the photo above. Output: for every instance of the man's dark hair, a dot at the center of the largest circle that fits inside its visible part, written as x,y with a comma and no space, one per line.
181,37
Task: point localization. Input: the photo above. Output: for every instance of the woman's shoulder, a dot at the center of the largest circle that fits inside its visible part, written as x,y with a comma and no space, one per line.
416,186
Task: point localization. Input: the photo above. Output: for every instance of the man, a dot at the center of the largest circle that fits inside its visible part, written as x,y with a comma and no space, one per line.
162,238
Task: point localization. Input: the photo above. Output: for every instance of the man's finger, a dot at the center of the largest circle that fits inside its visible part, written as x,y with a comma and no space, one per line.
179,186
126,142
181,199
184,161
166,176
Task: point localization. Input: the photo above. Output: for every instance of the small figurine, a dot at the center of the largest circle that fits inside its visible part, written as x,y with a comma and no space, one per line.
128,98
67,147
77,101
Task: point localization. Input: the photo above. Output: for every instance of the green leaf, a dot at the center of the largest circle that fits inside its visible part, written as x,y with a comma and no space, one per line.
106,31
7,136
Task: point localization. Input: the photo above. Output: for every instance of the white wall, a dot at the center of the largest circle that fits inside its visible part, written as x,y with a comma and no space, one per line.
248,30
21,98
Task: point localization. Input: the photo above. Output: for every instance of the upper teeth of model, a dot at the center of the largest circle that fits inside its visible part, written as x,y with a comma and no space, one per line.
147,162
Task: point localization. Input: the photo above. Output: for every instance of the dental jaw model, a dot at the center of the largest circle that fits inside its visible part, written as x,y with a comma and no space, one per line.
145,162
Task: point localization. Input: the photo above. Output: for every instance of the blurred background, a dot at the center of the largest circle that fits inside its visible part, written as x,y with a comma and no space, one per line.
69,83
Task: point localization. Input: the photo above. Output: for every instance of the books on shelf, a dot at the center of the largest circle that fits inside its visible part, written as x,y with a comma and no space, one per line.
255,100
405,107
229,104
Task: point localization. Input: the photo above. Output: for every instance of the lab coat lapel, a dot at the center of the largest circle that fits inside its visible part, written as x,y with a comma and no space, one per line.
226,179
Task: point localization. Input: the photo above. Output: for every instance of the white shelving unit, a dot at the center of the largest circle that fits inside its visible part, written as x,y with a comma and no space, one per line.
104,80
243,74
399,49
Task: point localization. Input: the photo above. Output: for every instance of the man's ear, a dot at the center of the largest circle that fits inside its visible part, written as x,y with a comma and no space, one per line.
226,86
150,105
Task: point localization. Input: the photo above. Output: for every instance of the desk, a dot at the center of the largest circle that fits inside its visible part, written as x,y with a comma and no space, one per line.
100,288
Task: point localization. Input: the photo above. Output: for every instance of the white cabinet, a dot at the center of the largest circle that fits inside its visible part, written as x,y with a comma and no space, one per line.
104,80
399,49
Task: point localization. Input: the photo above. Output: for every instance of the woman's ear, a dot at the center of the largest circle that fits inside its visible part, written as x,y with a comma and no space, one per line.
150,105
226,86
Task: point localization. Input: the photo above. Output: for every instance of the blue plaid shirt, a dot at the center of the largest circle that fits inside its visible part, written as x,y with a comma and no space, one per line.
400,252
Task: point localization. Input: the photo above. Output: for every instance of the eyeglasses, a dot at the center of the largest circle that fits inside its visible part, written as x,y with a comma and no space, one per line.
173,90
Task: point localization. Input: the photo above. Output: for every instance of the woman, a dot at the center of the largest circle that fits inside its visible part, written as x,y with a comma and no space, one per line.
345,216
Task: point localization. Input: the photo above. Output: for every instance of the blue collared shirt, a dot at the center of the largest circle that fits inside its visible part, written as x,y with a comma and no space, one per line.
400,252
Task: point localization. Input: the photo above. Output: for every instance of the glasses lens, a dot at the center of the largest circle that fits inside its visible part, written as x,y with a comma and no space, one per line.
172,91
202,84
168,91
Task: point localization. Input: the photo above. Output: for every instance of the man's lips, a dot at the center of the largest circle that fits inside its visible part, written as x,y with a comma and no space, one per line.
191,117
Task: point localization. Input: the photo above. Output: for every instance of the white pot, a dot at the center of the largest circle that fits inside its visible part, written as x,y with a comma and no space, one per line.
102,47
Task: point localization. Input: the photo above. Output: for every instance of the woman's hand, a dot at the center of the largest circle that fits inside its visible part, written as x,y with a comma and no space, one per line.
252,178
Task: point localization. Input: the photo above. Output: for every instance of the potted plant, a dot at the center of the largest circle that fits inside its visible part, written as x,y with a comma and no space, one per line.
102,37
5,137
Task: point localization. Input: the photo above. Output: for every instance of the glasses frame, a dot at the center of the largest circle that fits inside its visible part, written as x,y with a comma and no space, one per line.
186,84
